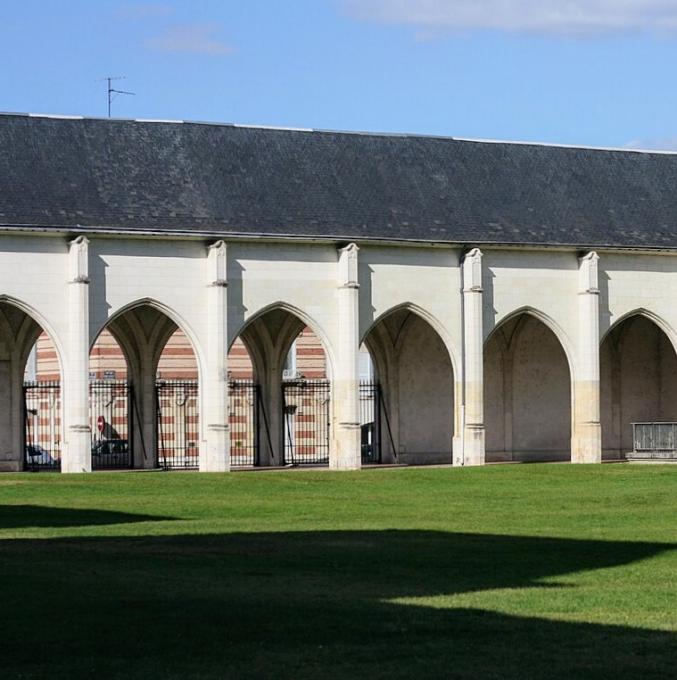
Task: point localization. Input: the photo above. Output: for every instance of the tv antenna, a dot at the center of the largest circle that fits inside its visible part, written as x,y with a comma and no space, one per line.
112,92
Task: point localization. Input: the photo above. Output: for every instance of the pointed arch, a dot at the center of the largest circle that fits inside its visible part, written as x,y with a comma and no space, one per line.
416,367
429,318
528,387
158,434
293,413
651,316
41,321
31,413
550,323
170,313
638,362
303,316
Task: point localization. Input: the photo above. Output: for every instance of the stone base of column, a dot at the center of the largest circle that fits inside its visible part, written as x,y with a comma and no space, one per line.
457,450
346,454
473,445
215,456
77,454
586,444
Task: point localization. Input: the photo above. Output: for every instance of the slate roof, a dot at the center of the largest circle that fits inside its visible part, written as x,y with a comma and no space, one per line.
226,180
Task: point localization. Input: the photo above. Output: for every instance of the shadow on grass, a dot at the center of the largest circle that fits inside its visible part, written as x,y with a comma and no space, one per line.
36,516
311,605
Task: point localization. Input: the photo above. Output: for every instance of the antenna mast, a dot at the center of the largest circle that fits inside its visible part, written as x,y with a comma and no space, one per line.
112,92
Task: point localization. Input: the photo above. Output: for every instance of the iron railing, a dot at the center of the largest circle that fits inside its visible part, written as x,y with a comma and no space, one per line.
178,425
42,425
654,439
243,411
306,410
370,422
110,413
376,435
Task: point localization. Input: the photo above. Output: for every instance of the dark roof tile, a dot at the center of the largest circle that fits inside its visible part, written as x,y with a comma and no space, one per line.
219,179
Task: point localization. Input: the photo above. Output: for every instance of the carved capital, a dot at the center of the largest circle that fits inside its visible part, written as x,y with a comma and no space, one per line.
472,271
78,260
588,277
347,267
217,264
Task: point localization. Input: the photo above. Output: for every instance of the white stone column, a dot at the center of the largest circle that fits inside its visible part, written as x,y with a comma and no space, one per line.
473,362
76,455
346,450
586,444
215,456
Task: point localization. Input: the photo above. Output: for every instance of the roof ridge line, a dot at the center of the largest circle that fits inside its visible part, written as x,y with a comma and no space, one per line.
367,133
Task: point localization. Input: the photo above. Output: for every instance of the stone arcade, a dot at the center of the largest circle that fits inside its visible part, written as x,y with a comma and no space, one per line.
518,301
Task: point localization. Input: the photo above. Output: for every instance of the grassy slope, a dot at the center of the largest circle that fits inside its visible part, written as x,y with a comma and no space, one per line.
514,571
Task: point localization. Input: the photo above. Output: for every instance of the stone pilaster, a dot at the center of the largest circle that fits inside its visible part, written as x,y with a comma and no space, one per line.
346,448
215,456
77,456
473,362
586,444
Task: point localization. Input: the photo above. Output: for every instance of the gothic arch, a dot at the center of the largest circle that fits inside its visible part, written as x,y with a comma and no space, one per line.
528,387
171,314
429,318
416,372
42,322
550,323
20,327
651,316
638,362
306,318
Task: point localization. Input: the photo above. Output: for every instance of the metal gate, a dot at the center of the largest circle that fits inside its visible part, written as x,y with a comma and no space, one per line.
178,424
375,430
370,423
42,425
306,421
110,413
243,412
654,441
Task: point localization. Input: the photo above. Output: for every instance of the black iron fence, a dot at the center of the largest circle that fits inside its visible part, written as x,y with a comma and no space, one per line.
110,413
243,410
370,422
42,425
178,422
375,428
306,405
306,409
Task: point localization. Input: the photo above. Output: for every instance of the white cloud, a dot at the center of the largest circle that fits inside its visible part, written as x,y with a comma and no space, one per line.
575,18
190,38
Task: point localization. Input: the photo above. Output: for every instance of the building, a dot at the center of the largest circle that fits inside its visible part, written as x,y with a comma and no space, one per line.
517,301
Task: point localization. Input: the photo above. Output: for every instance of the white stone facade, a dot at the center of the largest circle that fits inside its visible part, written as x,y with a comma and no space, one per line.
490,354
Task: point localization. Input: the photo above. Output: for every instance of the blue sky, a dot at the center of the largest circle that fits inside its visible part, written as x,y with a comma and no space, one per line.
591,72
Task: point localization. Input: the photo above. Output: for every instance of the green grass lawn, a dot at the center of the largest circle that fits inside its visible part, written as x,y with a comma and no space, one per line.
532,571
